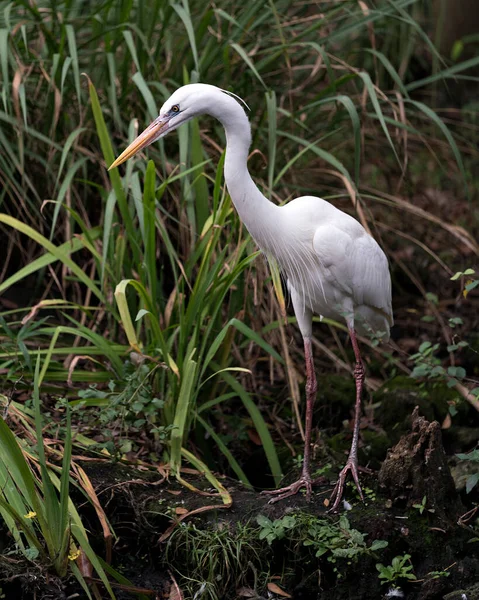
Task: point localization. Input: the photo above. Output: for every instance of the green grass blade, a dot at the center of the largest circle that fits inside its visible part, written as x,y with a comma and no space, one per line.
72,46
377,109
200,185
114,175
444,74
324,154
184,14
53,250
71,139
24,524
81,580
182,411
149,242
272,141
51,528
19,470
390,69
93,558
447,134
249,62
65,475
255,337
131,47
202,468
102,346
70,247
148,97
225,450
260,426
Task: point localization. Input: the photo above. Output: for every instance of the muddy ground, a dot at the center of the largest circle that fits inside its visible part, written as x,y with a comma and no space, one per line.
412,504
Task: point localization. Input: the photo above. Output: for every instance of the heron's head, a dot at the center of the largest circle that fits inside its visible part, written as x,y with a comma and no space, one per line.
185,103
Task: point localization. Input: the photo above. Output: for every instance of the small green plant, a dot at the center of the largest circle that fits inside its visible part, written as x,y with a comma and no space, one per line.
298,461
469,283
438,574
339,540
274,530
400,568
428,366
421,507
322,470
473,456
369,493
134,403
426,363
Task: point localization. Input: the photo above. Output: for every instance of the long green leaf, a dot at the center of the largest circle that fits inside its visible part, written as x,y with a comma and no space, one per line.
114,175
54,251
183,410
77,243
447,134
260,426
225,450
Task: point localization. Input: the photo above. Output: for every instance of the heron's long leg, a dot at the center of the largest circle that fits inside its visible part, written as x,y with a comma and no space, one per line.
311,388
352,462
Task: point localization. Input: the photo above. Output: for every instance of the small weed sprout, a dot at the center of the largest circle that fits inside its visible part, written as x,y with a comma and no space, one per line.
322,470
421,507
369,493
274,530
398,569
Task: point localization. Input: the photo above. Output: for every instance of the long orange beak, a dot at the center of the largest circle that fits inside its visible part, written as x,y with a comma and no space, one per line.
145,138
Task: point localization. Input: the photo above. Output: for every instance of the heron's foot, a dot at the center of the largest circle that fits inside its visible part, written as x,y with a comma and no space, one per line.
303,482
336,496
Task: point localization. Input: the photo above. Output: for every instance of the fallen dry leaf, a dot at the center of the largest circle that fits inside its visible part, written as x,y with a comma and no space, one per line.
272,587
196,511
175,592
84,565
254,437
179,510
246,592
447,422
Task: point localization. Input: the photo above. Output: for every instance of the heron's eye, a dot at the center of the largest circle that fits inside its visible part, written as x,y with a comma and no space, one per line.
175,108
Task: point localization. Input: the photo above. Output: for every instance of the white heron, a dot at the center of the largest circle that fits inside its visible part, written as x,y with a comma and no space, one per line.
332,265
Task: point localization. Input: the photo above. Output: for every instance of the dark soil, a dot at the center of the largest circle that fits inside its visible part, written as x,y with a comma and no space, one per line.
412,504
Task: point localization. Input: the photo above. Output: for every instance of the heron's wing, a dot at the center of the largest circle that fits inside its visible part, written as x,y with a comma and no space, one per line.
369,272
354,263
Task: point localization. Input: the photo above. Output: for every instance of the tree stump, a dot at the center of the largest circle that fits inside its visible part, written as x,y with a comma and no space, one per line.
416,468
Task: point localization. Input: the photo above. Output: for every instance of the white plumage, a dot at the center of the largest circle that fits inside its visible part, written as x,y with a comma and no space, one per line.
333,266
336,269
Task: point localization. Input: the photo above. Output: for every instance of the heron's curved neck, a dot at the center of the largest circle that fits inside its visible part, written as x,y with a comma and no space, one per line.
254,209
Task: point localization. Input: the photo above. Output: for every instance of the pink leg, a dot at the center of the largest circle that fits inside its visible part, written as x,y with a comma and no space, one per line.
352,462
311,387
